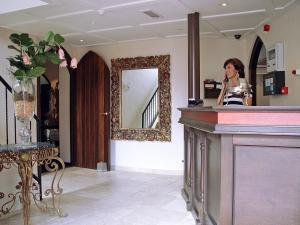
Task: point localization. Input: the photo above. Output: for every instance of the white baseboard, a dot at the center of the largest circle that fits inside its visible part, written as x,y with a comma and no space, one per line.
146,170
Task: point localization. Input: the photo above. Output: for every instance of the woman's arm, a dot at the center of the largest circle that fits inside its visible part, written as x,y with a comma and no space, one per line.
221,95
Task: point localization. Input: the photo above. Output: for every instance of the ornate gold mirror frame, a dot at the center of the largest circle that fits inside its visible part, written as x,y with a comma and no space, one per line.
163,131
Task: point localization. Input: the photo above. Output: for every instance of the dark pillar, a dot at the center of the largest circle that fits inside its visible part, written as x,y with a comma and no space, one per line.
193,60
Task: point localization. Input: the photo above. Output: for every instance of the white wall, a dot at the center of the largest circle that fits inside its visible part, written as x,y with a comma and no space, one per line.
284,29
163,156
64,114
168,156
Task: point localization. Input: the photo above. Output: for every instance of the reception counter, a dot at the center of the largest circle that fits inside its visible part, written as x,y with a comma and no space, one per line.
242,165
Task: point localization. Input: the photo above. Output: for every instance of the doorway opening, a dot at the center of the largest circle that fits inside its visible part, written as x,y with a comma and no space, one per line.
257,68
54,101
49,105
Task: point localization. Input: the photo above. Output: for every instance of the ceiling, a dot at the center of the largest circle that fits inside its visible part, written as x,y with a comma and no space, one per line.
101,22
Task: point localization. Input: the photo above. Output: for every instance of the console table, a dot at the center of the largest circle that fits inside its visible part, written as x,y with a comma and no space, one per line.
24,158
242,164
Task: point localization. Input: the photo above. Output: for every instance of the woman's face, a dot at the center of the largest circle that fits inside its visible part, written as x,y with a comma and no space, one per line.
230,71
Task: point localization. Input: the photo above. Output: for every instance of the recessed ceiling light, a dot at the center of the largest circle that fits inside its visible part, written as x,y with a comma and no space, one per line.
151,13
162,22
224,4
109,29
93,22
81,40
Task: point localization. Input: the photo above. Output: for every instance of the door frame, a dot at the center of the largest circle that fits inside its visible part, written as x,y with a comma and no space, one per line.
253,65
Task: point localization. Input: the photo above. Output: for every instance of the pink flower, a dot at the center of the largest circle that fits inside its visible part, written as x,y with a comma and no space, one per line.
63,63
25,58
61,54
73,64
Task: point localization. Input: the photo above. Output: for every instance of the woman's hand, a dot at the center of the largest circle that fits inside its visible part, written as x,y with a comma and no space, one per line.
222,93
224,82
247,99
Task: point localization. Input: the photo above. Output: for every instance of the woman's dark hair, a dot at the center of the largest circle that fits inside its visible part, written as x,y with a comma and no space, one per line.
238,65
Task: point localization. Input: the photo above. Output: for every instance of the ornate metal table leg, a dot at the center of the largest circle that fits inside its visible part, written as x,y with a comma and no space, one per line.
55,191
25,172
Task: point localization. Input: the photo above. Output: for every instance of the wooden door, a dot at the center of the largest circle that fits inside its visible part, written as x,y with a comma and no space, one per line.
92,96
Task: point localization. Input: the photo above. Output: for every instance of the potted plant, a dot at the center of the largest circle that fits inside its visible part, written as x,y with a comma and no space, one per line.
29,63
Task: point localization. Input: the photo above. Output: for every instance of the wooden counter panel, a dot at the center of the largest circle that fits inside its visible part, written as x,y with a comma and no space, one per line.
245,118
208,117
266,185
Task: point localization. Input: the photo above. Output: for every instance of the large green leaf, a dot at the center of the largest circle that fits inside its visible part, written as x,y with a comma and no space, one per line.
15,38
53,57
16,63
20,73
49,36
36,72
26,40
58,39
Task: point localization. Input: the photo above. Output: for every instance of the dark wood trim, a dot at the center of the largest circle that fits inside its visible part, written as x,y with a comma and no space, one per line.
252,66
193,57
227,170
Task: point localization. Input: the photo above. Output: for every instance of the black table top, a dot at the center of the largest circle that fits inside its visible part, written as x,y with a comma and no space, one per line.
29,147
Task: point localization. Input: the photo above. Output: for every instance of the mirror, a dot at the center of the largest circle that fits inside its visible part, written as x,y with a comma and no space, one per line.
142,86
141,99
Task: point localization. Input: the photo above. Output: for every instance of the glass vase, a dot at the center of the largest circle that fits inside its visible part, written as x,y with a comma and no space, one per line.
24,103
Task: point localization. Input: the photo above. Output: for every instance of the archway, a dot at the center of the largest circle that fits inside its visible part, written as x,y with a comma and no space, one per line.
71,73
253,65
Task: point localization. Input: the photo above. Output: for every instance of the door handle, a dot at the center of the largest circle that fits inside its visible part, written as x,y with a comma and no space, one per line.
104,114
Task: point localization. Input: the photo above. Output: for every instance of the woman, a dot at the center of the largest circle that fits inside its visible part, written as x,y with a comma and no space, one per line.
235,90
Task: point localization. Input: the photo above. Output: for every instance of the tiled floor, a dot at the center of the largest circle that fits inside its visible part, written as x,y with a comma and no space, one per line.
115,198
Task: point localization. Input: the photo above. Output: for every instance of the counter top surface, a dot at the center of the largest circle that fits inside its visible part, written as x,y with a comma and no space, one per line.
283,120
242,108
